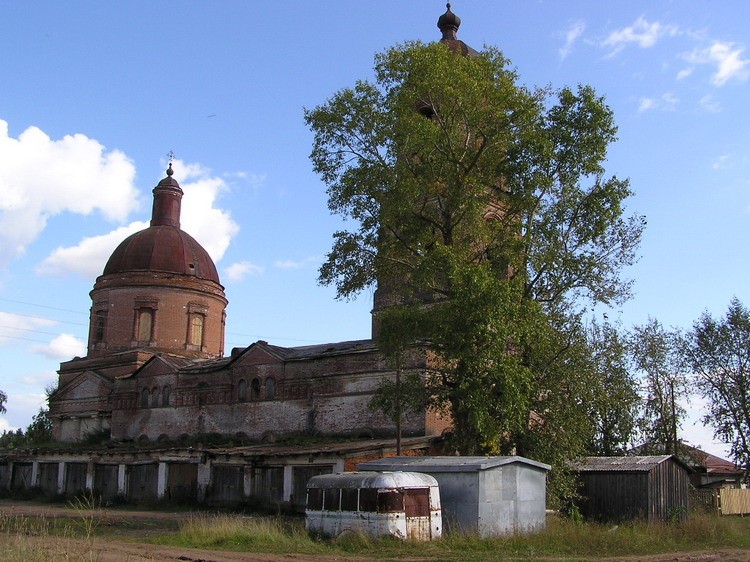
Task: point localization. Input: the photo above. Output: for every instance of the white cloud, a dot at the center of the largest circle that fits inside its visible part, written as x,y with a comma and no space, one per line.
575,30
90,256
41,177
238,271
15,327
642,33
292,264
728,61
63,347
212,227
5,426
684,73
667,102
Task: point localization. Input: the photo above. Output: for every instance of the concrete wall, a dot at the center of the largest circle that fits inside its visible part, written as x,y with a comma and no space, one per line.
489,496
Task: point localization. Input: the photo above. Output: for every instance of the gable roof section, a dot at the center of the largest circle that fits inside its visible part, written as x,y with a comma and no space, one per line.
86,378
624,464
159,364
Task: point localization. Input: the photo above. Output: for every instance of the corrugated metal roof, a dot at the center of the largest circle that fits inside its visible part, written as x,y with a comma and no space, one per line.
620,464
448,464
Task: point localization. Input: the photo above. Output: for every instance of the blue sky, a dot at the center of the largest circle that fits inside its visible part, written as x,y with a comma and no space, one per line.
94,95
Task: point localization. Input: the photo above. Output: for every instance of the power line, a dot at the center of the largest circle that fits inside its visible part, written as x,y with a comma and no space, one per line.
42,306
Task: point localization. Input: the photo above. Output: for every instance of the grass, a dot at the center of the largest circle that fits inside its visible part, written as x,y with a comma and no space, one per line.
562,539
72,538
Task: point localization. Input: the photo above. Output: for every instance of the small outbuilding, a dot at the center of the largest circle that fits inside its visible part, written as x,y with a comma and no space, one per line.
489,496
653,488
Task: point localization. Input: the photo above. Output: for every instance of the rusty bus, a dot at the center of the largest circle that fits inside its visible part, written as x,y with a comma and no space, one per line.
405,505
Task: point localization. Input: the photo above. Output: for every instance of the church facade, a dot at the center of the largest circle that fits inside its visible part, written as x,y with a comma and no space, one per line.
155,368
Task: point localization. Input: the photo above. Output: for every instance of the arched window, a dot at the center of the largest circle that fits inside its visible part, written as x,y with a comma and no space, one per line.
145,325
255,389
165,396
144,398
242,390
155,397
100,321
270,389
196,330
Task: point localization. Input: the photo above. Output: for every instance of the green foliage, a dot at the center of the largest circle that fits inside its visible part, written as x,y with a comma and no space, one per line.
3,400
656,355
718,352
482,211
614,404
39,432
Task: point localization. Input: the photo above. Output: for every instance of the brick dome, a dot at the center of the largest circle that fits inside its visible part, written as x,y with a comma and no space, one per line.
162,248
159,290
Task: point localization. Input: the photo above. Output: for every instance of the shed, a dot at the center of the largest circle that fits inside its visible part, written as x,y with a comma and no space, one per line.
654,488
489,496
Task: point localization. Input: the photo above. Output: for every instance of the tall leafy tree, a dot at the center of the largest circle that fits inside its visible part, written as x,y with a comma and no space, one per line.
482,211
656,356
615,401
3,400
718,353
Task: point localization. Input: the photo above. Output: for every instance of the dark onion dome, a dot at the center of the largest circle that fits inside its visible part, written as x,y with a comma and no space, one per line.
163,247
448,24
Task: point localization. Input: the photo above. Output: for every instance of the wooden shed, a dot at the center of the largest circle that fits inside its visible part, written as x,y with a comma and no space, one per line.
653,488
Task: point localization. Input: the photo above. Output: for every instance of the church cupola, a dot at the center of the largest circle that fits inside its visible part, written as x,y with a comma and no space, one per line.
160,289
167,202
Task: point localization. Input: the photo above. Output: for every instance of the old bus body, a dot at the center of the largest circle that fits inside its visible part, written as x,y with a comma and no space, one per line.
405,505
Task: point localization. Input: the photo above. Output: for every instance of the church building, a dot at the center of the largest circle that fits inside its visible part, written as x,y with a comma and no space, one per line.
156,369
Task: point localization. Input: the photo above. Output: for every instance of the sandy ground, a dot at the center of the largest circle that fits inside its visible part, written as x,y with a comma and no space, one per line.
106,549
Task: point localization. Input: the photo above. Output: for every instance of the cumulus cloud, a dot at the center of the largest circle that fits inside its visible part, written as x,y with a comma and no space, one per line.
238,271
63,347
667,102
572,35
212,227
89,256
41,177
642,33
15,327
6,426
726,57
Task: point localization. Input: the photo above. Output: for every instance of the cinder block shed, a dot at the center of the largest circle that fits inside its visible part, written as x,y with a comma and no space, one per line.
489,496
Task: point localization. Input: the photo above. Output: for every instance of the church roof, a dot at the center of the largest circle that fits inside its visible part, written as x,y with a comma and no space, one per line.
448,24
164,246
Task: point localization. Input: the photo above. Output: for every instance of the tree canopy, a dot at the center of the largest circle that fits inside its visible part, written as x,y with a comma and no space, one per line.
718,353
481,209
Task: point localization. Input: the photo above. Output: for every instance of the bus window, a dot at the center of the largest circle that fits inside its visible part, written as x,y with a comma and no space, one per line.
332,501
349,498
368,499
417,502
391,501
315,498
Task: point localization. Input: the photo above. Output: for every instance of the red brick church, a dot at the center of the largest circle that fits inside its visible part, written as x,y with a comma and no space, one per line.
156,370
